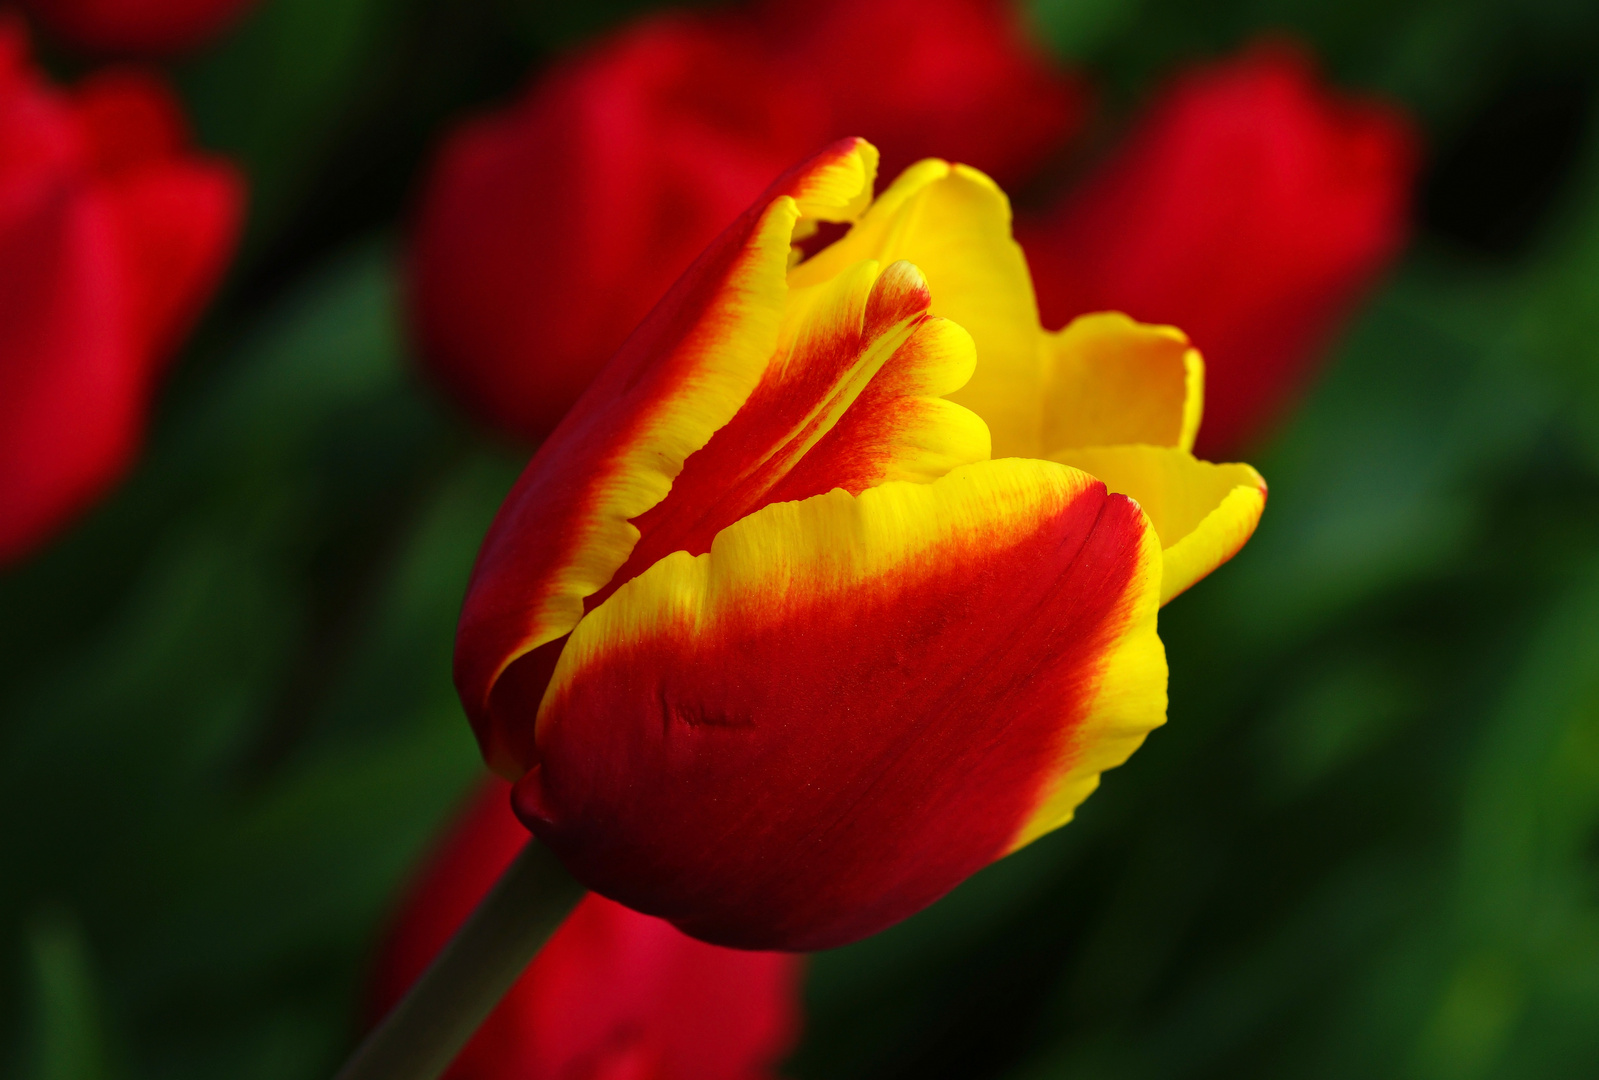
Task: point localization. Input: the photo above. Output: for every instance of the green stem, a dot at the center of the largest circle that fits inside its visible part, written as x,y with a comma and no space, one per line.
421,1035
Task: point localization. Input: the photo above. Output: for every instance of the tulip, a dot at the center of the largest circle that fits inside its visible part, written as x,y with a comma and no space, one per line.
112,235
1252,207
547,231
841,580
916,75
613,994
142,27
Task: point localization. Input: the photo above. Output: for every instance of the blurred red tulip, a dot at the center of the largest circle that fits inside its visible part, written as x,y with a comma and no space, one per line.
112,235
141,27
547,231
614,995
1251,207
956,79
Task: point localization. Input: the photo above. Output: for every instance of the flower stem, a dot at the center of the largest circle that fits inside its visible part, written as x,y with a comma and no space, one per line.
421,1035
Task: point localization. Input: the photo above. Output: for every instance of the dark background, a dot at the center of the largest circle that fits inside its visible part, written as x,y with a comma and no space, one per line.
1367,843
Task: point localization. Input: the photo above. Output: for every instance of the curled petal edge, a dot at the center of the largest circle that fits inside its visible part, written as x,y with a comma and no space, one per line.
1202,512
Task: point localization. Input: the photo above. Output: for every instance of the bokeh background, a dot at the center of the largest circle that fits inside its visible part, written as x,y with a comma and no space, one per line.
1366,844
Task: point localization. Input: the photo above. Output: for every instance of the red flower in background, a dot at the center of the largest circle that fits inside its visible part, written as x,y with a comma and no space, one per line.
112,236
547,231
137,26
1251,207
957,79
614,995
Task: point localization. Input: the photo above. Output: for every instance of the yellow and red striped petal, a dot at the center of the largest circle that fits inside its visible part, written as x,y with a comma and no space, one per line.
852,398
1202,512
953,223
851,703
1110,381
565,529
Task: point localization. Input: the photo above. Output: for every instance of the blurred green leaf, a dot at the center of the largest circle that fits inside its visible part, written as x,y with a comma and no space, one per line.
1077,30
275,91
68,1040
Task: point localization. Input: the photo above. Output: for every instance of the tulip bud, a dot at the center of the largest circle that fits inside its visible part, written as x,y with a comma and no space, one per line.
1251,207
612,994
773,647
112,235
547,231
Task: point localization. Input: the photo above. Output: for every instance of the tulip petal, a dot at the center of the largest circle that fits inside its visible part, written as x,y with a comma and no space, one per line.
851,703
954,224
565,528
180,221
1202,512
852,399
1110,381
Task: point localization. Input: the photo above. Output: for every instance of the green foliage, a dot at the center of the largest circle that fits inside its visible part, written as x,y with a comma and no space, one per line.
229,718
1366,844
271,96
69,1037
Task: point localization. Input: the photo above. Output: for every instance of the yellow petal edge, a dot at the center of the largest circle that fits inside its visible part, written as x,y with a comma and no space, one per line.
1203,513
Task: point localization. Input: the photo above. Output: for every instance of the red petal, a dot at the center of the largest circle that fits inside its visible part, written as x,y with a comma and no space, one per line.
180,221
850,705
956,79
73,386
131,117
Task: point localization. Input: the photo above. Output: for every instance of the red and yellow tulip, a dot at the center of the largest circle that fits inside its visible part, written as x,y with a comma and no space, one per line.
841,581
